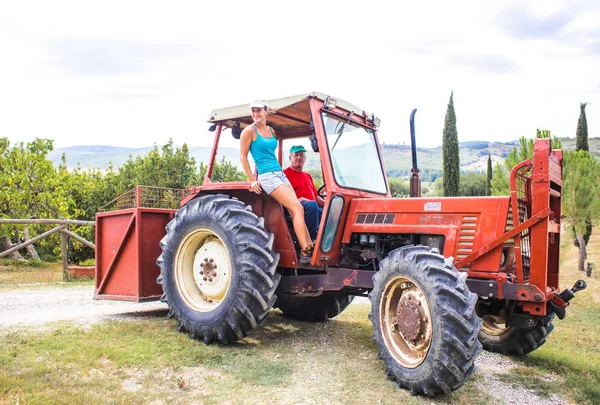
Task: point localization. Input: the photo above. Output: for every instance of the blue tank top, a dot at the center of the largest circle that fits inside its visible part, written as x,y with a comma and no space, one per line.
263,153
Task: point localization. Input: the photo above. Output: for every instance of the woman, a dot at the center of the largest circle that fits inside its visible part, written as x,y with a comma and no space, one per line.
261,141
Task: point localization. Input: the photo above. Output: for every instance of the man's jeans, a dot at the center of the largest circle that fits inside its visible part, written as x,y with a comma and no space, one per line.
312,217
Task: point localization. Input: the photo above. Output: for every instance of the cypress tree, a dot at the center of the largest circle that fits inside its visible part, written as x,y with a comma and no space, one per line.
488,183
581,142
450,152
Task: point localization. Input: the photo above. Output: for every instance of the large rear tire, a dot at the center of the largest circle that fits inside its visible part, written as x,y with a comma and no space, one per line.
313,309
424,321
218,269
495,336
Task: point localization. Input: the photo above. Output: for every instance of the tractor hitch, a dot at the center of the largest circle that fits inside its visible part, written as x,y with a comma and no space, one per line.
561,301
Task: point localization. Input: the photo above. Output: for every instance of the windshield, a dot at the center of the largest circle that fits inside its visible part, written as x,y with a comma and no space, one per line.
354,155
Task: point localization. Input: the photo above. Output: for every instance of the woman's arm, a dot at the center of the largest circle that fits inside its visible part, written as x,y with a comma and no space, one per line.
245,140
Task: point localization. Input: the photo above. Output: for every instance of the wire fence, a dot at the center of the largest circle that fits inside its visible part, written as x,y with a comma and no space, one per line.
147,197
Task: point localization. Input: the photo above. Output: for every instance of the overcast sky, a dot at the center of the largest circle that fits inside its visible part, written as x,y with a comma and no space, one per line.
128,73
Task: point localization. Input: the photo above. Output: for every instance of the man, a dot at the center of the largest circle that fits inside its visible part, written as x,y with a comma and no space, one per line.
305,189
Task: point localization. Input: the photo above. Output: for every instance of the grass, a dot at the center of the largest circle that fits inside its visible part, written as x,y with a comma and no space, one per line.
16,274
30,272
147,361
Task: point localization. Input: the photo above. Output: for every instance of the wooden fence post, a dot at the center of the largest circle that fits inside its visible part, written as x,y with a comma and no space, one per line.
63,249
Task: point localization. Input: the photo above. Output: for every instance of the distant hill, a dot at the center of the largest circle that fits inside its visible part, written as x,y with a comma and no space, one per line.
397,158
100,157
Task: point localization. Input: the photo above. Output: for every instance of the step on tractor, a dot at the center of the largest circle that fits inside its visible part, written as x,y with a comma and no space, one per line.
445,276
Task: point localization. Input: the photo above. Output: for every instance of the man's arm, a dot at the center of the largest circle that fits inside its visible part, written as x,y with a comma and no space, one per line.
319,200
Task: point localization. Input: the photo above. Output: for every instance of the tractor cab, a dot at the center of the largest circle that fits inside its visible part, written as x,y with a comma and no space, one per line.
343,157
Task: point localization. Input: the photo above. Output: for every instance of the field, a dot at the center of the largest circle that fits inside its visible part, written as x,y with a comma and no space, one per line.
145,360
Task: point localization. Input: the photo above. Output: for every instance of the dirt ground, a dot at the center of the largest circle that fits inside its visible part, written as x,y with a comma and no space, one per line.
33,307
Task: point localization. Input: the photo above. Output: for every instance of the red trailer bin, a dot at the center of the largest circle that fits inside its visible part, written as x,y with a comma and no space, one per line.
127,243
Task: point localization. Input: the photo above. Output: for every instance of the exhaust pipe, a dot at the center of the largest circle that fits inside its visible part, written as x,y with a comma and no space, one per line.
415,181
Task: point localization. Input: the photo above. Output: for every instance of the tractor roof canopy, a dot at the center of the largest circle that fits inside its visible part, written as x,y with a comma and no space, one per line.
290,116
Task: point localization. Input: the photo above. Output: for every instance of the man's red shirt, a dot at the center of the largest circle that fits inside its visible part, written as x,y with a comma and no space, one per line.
302,182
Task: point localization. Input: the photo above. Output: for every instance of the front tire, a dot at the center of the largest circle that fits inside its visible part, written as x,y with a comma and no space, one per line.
218,269
424,321
313,309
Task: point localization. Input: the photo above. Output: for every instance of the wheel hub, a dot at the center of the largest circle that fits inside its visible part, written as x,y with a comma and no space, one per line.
203,270
406,320
208,269
208,274
409,318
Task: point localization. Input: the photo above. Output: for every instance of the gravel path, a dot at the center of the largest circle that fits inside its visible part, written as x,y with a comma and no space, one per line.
38,306
27,307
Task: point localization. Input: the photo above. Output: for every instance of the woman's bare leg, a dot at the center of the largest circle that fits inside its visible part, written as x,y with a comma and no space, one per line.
286,196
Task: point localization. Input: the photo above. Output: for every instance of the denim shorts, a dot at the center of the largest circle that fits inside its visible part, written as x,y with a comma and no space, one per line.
270,181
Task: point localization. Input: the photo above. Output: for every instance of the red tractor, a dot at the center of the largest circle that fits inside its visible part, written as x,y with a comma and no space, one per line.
445,276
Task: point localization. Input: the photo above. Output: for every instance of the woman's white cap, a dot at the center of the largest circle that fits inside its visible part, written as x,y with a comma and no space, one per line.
259,104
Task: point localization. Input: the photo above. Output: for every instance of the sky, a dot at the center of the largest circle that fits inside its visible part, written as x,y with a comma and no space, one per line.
138,73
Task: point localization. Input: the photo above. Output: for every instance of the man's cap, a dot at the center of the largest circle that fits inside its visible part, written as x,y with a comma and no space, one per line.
296,149
259,104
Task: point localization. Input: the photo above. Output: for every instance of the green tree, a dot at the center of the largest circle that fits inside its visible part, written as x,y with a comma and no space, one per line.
488,183
581,143
161,168
222,171
500,180
31,186
472,184
581,196
398,187
89,189
317,176
500,183
581,138
438,188
450,152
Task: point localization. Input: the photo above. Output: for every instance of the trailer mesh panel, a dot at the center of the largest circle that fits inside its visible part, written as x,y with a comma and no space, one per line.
523,183
146,197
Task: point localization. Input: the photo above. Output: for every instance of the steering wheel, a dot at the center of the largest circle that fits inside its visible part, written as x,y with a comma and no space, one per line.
322,191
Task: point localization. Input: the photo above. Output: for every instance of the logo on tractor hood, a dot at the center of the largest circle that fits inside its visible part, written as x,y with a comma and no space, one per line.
433,206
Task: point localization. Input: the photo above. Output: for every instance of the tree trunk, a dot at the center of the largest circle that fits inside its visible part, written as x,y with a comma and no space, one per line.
8,244
582,252
30,248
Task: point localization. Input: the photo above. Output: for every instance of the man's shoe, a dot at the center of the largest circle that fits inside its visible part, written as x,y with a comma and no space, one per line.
306,255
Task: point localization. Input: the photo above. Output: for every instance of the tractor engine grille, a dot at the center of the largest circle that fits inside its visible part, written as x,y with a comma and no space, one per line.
375,218
466,237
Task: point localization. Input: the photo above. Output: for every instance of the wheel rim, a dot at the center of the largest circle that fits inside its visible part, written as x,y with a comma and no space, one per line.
494,325
405,320
203,270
